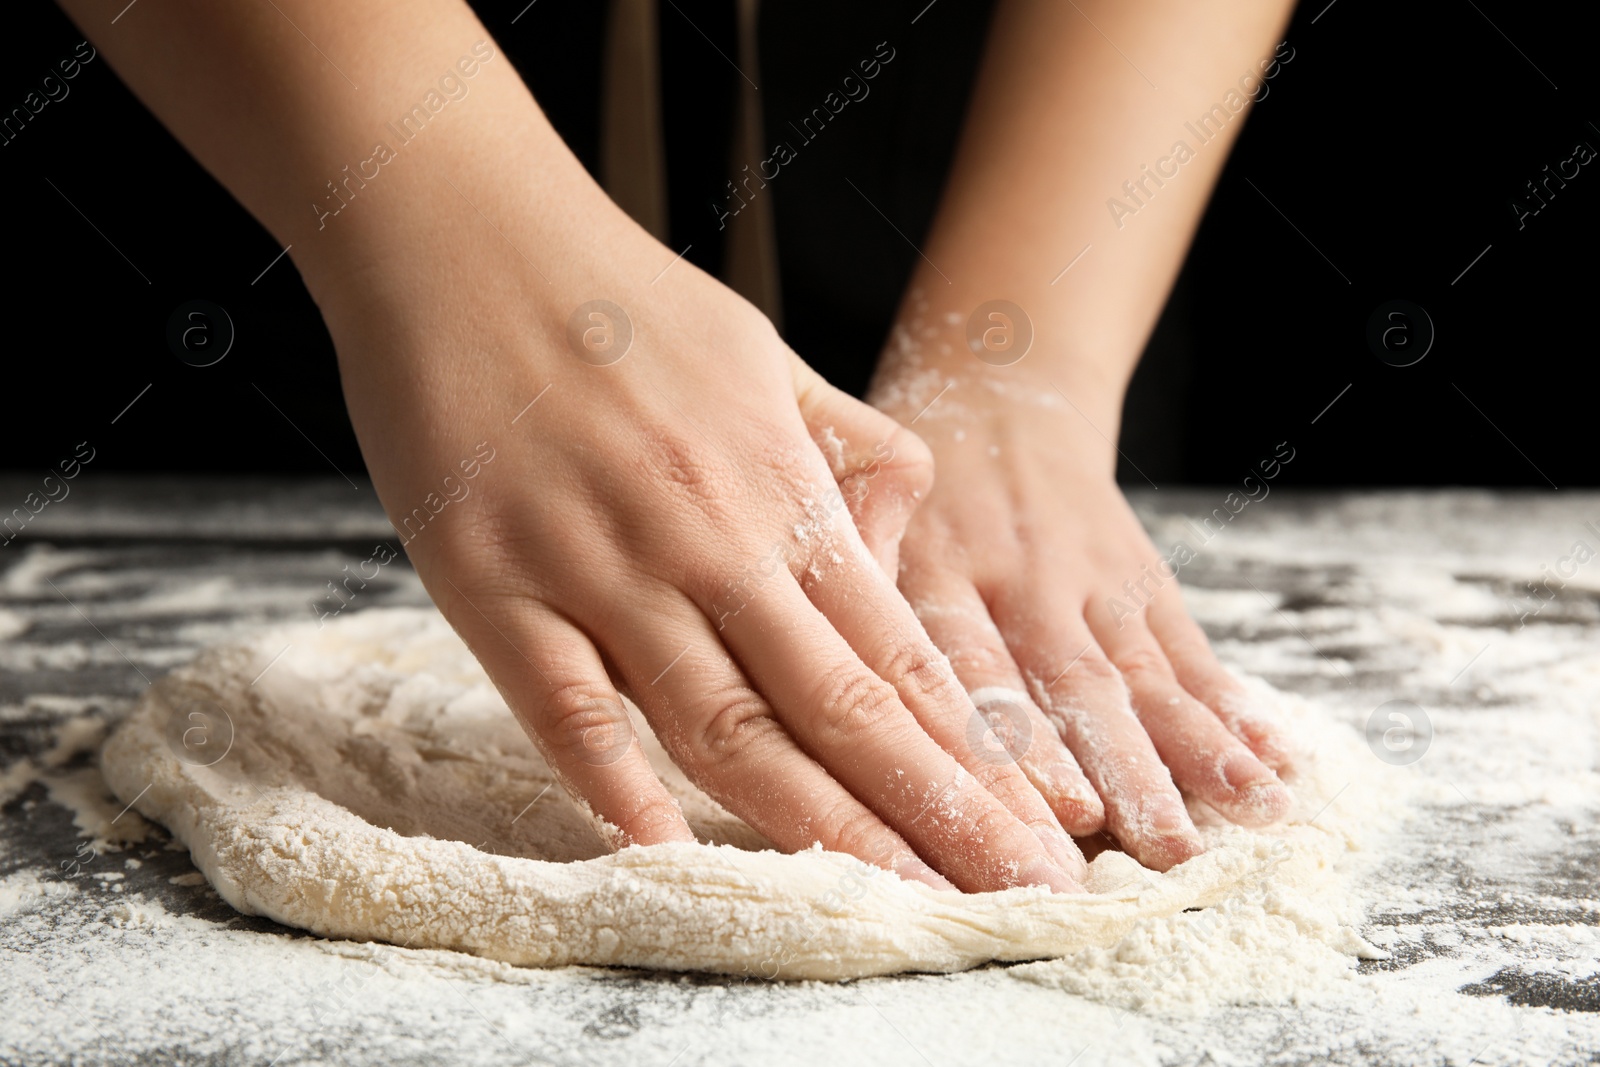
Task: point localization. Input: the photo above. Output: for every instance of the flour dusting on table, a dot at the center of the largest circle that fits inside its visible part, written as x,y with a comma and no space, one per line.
1480,885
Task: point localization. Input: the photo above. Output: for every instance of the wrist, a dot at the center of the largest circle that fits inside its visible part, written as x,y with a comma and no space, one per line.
474,225
1002,423
430,180
946,368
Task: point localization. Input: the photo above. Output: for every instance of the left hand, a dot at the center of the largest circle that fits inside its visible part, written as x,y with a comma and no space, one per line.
1028,568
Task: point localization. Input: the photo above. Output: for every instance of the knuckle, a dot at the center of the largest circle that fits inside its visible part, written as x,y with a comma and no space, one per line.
572,707
1096,668
688,473
1142,663
678,462
484,563
1093,820
788,469
645,819
999,733
918,669
852,702
733,721
912,461
888,482
586,722
982,659
1007,784
992,825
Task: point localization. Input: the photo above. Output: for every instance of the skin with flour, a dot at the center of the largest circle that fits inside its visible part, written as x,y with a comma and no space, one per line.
636,494
1025,542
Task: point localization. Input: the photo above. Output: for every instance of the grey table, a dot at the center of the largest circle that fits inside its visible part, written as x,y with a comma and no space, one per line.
1486,903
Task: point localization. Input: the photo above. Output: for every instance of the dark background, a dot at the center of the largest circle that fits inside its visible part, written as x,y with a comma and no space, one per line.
1395,141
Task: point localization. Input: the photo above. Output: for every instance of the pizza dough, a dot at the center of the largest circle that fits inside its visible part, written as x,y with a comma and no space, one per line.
364,780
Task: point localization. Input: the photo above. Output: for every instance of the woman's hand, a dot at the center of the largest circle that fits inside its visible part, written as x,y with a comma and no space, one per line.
649,512
1017,556
1030,571
652,516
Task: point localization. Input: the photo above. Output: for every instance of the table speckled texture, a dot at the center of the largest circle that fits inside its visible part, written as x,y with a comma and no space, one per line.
1490,909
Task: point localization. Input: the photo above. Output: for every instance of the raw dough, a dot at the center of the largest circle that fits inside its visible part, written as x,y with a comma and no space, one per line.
371,784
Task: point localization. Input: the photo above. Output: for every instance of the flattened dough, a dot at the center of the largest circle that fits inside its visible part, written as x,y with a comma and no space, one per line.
371,784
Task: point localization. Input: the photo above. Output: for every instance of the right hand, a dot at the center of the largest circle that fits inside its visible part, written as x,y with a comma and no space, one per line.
667,527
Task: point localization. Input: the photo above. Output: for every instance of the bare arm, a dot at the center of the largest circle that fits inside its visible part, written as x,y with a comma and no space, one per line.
1080,106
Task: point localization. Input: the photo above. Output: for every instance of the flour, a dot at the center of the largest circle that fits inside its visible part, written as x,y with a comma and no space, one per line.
25,891
12,624
74,735
1287,930
374,786
96,814
1477,864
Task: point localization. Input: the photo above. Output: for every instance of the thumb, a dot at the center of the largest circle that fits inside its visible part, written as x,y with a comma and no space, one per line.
883,469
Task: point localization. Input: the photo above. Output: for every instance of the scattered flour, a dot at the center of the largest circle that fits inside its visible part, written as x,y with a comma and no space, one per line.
25,891
12,624
1488,871
95,812
74,735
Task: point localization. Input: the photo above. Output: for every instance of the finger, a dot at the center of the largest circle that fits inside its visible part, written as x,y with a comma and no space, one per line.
1205,758
1082,694
957,620
852,722
557,686
726,739
1199,672
871,615
883,470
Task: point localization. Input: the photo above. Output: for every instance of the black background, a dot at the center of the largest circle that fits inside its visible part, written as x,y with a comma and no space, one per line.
1395,141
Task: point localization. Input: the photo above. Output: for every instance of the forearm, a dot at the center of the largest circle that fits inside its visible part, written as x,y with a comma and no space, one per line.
342,147
1061,118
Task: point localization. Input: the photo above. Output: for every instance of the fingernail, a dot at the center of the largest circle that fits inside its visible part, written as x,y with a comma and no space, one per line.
1270,801
913,869
1043,872
1243,771
1077,807
1067,782
1063,851
1162,852
1258,725
1278,756
1172,839
1170,818
1259,800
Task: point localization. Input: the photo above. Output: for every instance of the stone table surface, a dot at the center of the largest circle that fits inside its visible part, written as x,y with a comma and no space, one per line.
1485,899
